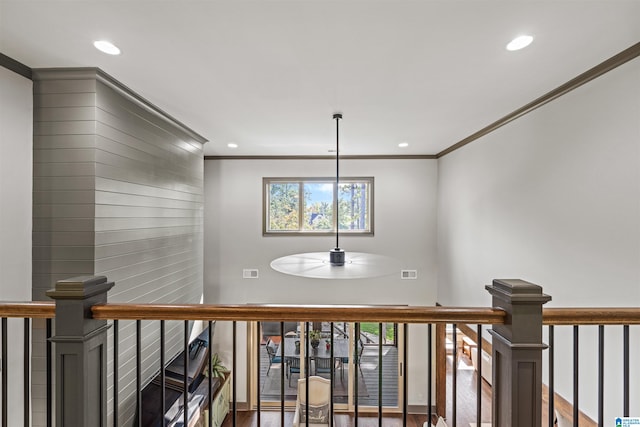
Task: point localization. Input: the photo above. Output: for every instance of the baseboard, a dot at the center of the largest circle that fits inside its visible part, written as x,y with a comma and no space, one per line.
564,407
240,406
420,409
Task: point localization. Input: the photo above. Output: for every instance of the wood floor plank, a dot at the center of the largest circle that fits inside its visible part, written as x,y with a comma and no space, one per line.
272,419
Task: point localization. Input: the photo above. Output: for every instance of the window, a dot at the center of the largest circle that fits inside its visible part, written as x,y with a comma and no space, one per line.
307,205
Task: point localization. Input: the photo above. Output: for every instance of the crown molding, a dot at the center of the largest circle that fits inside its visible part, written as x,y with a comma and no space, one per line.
15,66
343,157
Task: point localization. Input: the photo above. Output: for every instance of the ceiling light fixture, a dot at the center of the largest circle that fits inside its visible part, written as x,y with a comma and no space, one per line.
338,264
519,42
403,144
336,255
232,145
106,47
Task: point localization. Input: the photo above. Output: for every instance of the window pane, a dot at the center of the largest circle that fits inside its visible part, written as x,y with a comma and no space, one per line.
299,205
284,199
353,200
318,206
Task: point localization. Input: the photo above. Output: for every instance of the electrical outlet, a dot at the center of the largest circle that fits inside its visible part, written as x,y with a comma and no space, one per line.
250,273
409,274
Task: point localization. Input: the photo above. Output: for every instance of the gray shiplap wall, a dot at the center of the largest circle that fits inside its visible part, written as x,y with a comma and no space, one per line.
118,191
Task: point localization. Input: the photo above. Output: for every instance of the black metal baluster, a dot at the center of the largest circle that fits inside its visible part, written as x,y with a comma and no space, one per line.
429,373
333,371
116,371
258,371
49,374
307,369
163,379
600,375
26,397
139,371
454,377
551,380
405,379
233,364
380,338
625,376
355,371
210,393
576,371
5,391
281,347
185,385
479,381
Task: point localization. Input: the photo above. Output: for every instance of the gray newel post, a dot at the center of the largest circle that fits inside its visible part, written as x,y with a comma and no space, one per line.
517,354
81,352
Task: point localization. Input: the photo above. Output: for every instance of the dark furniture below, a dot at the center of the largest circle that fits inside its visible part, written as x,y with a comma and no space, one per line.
197,385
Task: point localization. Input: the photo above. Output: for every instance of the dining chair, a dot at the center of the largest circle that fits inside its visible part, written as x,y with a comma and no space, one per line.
293,367
357,358
272,348
319,407
323,365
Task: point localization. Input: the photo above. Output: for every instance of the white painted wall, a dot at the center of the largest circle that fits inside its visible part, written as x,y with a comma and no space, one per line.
405,227
16,148
554,198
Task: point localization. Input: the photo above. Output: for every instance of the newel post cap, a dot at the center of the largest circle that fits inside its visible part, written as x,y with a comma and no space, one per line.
81,287
517,291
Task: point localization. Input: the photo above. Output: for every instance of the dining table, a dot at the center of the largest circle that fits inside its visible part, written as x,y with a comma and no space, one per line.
340,349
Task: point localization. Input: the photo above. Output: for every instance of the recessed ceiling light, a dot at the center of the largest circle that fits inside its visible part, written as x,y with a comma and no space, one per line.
232,145
519,42
107,47
403,144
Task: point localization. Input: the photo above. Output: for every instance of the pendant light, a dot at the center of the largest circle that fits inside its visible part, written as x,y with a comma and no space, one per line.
337,255
338,264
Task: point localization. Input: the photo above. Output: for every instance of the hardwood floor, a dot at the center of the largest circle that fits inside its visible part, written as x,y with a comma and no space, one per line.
272,419
466,406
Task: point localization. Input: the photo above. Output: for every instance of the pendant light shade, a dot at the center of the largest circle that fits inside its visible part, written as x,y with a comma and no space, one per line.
317,265
337,263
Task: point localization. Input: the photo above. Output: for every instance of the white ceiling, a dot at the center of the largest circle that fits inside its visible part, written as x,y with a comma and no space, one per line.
268,75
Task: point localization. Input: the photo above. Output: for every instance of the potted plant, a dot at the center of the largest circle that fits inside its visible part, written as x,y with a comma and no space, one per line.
314,338
218,370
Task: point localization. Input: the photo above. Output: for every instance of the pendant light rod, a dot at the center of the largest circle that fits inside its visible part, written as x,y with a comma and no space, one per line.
337,255
337,117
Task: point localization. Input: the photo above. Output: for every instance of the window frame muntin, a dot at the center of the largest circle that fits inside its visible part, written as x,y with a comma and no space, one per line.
301,181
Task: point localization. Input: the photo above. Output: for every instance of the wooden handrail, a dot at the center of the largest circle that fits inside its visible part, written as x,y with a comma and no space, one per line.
32,309
591,316
317,313
306,313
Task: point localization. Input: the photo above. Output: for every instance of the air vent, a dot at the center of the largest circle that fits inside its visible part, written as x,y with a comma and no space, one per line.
409,274
250,273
